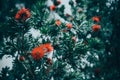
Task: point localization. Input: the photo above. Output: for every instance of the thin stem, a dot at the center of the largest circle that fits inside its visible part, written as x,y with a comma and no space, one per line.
28,70
22,41
18,39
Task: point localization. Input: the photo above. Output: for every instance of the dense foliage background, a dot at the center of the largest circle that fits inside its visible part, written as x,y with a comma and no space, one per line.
84,48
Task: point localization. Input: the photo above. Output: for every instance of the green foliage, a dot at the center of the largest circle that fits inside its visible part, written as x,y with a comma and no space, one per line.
86,57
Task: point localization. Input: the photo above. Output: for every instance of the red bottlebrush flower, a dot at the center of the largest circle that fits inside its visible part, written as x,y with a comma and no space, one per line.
49,47
23,14
74,38
96,27
22,58
58,22
96,18
52,8
69,26
37,53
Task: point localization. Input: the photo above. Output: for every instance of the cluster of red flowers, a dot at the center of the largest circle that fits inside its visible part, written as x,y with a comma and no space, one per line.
58,22
23,14
68,25
96,27
40,51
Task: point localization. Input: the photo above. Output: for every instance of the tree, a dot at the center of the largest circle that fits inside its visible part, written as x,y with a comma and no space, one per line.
83,47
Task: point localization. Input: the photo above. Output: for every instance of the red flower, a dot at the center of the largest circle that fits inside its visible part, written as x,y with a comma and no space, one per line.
96,27
37,53
69,26
96,18
23,14
52,8
49,47
58,22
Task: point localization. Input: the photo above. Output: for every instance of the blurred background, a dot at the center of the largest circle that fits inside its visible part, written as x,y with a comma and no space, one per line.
84,35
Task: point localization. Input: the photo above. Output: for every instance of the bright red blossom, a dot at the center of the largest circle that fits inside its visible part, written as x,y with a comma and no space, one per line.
23,14
96,27
58,22
49,47
39,52
52,7
96,18
69,26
